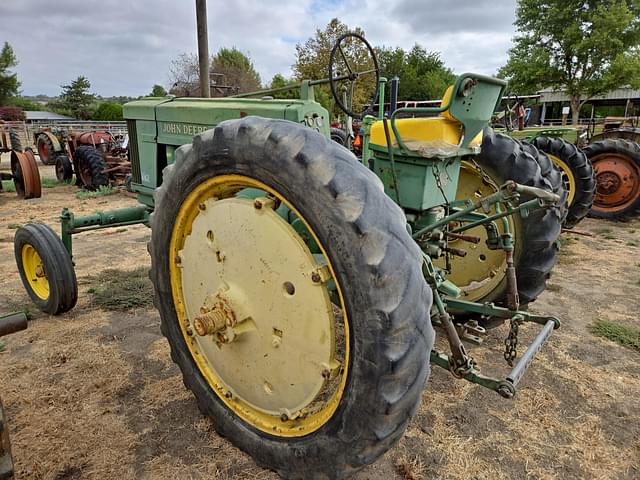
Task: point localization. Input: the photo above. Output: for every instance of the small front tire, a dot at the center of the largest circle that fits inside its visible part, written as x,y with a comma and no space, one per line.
46,268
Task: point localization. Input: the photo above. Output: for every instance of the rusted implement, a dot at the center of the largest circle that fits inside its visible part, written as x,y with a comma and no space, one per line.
24,170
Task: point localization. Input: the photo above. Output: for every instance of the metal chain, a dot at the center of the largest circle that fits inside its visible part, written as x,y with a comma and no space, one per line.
484,174
511,342
436,173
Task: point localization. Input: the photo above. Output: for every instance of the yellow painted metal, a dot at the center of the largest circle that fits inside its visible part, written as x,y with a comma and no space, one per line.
35,272
445,99
480,272
432,129
568,179
281,364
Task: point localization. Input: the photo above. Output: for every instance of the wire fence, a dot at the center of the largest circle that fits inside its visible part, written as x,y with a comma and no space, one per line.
28,131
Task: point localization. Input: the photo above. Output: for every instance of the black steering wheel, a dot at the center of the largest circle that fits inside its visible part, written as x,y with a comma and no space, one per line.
352,59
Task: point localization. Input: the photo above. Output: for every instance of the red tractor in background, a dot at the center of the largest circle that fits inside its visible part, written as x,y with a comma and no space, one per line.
98,158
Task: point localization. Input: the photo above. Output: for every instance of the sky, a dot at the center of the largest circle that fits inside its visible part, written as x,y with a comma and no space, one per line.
124,47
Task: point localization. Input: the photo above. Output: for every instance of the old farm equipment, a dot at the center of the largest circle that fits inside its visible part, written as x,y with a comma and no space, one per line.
297,288
24,170
8,324
97,157
602,168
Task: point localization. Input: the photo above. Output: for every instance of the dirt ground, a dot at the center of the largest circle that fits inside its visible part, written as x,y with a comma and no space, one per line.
93,394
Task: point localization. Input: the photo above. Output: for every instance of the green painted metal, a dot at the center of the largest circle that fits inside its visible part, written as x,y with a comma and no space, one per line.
158,126
120,217
570,134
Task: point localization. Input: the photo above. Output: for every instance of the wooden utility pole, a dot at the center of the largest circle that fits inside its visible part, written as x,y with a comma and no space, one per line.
203,47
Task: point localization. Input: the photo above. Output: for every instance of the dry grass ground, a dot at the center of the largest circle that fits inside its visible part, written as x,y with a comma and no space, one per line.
93,394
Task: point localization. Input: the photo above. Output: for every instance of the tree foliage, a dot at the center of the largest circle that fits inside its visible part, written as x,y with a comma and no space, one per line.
278,81
108,111
184,75
234,68
584,47
312,62
8,81
229,68
422,74
158,91
25,104
76,100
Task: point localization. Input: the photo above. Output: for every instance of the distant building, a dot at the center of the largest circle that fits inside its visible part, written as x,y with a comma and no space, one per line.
627,101
44,117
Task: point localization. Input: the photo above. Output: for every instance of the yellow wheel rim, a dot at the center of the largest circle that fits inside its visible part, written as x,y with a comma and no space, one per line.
254,309
568,180
35,272
482,270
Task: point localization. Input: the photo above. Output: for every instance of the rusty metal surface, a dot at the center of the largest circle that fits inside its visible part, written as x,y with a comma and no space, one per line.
26,176
12,323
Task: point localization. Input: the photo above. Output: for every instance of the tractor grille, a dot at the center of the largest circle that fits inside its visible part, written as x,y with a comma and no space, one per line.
134,155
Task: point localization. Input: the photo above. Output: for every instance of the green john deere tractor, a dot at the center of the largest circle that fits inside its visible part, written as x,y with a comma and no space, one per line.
298,288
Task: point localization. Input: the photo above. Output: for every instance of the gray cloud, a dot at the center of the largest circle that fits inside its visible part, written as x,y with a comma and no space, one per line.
125,46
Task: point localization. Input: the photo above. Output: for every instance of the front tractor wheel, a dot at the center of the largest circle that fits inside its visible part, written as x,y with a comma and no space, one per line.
291,295
45,268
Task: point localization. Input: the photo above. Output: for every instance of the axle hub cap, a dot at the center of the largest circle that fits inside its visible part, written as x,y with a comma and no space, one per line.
255,311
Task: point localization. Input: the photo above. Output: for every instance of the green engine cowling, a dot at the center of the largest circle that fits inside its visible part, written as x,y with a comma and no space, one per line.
158,126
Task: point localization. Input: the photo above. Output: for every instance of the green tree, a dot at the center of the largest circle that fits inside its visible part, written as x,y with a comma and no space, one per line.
312,62
583,47
25,104
76,99
108,111
422,74
278,81
8,81
158,91
231,67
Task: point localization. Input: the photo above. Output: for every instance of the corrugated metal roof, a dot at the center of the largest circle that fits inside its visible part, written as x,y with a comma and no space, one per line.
548,95
37,115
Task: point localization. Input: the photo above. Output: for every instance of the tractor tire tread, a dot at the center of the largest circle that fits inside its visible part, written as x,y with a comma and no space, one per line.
536,256
582,171
63,285
94,162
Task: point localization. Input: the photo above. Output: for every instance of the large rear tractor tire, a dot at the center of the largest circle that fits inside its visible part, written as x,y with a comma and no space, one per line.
45,268
482,272
616,164
90,166
46,150
14,138
291,295
577,176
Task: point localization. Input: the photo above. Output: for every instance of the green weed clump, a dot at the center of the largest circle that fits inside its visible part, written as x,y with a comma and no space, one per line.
626,336
102,191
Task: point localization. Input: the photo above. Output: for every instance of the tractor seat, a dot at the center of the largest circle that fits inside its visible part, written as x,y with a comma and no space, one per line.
429,137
